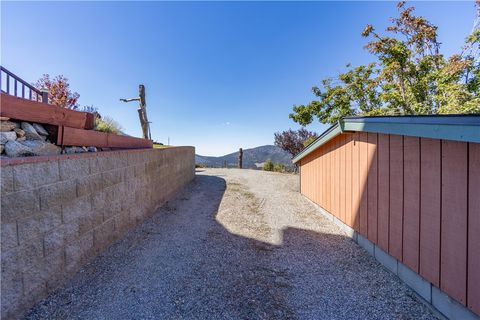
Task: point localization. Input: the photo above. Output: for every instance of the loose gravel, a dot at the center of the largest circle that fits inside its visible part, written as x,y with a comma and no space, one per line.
235,244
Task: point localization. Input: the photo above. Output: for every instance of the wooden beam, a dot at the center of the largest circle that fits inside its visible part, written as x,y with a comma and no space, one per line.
79,137
33,111
126,142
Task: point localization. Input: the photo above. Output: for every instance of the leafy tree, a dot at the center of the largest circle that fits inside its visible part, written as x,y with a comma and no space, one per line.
410,76
268,165
293,141
59,93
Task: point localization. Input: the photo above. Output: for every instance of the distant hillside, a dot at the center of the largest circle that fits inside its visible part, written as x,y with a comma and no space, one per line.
252,158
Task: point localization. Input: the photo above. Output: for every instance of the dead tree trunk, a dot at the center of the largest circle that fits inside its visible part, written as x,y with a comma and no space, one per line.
142,113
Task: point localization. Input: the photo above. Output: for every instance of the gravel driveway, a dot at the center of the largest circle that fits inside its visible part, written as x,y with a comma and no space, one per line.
235,244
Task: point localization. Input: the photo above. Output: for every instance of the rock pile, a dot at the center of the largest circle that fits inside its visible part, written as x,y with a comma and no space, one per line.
20,139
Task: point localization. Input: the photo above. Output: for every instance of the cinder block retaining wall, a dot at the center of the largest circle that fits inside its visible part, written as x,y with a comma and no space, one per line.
59,212
413,202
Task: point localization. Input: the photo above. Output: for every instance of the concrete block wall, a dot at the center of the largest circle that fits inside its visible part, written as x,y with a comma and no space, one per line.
59,212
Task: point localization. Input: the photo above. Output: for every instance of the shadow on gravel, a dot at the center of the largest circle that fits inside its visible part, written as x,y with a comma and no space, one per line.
182,264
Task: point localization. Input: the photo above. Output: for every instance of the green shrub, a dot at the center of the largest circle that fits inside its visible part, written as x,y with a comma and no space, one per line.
268,165
108,125
279,167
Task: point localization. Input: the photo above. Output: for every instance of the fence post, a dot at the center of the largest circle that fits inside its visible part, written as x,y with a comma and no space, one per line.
44,96
240,158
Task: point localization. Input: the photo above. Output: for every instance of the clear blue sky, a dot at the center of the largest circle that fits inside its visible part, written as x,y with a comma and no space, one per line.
218,75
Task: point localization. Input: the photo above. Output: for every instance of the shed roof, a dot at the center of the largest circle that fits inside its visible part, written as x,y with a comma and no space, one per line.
448,127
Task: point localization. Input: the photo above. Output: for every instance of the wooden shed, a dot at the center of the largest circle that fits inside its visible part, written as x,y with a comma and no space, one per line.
410,186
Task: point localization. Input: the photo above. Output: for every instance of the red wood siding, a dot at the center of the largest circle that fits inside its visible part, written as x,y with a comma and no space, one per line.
411,202
473,293
348,180
396,197
453,256
341,186
363,167
355,182
383,219
416,198
372,178
430,205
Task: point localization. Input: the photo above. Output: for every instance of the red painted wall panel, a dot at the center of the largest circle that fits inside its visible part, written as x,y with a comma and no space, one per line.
363,163
396,197
411,202
383,220
473,297
341,188
372,178
348,180
355,181
331,175
336,179
453,257
318,185
430,204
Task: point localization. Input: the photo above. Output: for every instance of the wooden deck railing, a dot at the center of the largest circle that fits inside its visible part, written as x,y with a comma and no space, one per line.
13,85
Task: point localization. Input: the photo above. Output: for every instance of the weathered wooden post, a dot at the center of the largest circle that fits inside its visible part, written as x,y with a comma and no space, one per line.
142,111
225,163
240,158
44,95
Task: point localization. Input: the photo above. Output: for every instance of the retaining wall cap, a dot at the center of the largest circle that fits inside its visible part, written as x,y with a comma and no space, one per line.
23,160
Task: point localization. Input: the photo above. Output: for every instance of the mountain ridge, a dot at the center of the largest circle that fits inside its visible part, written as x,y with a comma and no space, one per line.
253,158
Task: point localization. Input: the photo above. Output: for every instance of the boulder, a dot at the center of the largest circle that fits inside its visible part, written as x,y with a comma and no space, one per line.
20,133
6,125
7,136
30,132
16,149
71,150
68,150
42,148
92,149
40,129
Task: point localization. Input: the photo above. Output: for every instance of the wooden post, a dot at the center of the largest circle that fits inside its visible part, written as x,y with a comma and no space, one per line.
240,158
225,163
45,96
